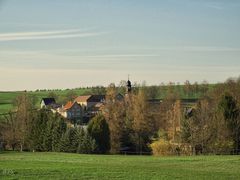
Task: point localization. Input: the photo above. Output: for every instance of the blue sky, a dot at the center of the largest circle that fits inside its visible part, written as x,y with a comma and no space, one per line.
72,43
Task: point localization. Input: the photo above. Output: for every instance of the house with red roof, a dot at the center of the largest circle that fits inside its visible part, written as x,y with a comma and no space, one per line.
72,111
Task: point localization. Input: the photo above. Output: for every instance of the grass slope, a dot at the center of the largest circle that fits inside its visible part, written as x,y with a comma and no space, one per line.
75,166
7,98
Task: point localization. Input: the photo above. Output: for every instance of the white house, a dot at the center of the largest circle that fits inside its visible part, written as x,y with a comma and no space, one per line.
47,102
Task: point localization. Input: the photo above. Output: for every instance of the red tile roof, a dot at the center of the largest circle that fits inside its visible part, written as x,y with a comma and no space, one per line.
68,105
82,98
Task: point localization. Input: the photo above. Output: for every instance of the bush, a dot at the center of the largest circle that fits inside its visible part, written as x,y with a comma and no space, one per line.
163,147
223,147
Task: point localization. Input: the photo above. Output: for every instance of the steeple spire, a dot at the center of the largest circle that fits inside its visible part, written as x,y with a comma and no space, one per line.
129,85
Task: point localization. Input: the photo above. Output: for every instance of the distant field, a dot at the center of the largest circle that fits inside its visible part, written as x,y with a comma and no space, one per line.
75,166
5,108
7,98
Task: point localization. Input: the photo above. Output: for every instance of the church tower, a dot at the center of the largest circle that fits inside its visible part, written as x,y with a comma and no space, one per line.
128,86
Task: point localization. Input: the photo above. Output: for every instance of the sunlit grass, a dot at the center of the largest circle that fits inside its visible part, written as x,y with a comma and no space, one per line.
75,166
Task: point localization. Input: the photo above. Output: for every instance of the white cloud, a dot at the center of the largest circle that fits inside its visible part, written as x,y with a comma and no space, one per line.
59,34
121,55
197,49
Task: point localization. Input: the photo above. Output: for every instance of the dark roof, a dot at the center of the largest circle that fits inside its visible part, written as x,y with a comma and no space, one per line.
48,101
96,98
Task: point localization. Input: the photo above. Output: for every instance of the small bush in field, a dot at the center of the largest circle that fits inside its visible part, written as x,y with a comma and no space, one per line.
163,147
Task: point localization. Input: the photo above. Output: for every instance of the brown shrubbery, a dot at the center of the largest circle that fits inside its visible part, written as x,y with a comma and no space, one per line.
165,148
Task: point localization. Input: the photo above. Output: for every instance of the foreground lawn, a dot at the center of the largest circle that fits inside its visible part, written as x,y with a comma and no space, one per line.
15,165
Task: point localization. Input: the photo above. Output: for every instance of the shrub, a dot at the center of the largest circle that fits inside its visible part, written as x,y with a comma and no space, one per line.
223,147
163,147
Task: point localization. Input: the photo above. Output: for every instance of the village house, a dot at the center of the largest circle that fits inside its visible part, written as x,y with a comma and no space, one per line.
90,101
72,111
47,102
91,105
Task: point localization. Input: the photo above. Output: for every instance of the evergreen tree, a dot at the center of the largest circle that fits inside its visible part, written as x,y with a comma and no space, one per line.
74,139
228,106
38,129
87,144
59,129
47,141
99,130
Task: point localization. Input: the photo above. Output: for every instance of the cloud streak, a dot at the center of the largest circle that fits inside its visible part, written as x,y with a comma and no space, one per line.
196,49
59,34
121,55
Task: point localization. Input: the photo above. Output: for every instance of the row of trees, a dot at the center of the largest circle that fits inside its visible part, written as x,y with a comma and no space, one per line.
134,124
214,125
122,123
41,130
210,126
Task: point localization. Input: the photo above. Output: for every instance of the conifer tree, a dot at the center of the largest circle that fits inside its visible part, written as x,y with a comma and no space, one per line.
59,129
99,130
64,142
87,144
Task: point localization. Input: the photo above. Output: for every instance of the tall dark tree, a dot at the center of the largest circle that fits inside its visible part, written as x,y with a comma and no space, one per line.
59,129
87,144
39,130
228,106
99,130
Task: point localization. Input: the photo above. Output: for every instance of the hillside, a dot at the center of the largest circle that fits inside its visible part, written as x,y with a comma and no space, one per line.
7,98
159,92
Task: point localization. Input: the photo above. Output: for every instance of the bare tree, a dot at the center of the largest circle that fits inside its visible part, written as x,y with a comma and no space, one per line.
114,111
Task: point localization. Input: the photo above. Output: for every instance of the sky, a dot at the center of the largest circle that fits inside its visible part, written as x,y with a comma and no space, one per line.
74,43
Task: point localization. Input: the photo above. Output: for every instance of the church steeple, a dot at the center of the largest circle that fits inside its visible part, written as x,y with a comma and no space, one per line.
129,85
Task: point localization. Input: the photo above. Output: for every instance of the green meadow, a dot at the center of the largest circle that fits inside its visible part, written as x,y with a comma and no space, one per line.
7,98
26,165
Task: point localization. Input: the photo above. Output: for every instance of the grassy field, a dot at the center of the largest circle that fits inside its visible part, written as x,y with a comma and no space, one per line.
75,166
7,98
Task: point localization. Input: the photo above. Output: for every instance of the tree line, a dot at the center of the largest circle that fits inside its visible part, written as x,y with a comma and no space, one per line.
133,124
